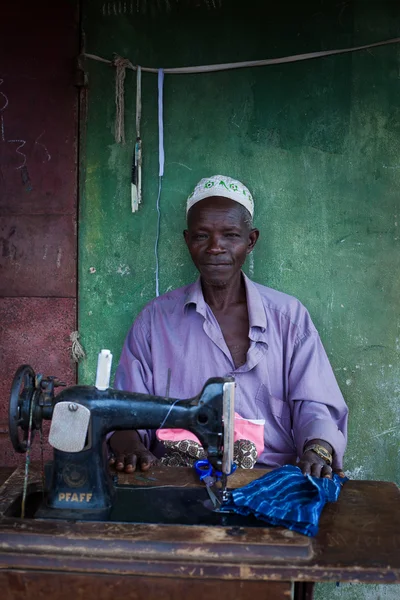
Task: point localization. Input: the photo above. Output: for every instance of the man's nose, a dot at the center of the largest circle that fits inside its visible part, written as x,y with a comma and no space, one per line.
215,245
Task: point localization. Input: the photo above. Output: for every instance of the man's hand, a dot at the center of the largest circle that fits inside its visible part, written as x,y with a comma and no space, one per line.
312,464
129,452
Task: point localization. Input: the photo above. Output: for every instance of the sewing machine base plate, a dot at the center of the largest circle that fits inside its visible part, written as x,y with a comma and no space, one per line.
358,541
175,506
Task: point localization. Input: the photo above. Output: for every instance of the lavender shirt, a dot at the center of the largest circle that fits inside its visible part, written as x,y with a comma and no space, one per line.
286,380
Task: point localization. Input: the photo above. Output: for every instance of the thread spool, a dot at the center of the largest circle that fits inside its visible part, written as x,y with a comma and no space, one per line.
103,373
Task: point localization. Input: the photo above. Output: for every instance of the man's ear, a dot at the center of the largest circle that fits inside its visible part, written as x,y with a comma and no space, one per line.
253,237
186,236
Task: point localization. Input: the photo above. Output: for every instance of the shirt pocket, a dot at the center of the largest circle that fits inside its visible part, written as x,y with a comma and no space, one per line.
271,405
278,435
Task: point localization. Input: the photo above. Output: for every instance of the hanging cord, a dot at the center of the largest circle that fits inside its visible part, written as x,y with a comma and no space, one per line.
158,239
160,172
42,459
160,122
28,456
136,183
253,63
120,64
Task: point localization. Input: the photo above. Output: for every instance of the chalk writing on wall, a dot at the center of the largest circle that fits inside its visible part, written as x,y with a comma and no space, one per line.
19,155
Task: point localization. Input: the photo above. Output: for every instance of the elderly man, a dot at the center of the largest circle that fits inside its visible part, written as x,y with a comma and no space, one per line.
225,324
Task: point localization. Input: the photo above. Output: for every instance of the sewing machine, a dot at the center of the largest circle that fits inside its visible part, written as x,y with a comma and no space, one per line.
79,484
159,542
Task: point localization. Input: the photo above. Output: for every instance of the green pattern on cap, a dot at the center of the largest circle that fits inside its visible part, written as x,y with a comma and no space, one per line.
227,187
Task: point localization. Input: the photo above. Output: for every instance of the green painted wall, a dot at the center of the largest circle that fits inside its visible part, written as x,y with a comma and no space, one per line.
317,142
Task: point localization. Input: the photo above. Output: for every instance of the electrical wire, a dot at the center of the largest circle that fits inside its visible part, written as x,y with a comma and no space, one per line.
161,158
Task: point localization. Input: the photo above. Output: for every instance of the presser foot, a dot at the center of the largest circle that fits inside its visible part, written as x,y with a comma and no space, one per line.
224,490
210,506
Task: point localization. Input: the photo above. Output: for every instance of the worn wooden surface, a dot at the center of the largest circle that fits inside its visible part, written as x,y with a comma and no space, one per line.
58,586
5,473
359,540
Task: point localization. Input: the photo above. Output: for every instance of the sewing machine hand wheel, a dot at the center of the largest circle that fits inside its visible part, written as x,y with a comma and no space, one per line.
23,390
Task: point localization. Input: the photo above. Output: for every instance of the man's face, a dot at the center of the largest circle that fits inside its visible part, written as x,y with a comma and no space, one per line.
219,239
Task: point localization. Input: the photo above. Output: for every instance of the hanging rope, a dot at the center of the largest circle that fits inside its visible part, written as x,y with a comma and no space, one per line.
120,64
77,352
250,63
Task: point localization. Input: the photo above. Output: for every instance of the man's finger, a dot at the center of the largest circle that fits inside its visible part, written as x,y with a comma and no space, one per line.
316,470
339,472
305,467
326,471
130,463
120,462
147,460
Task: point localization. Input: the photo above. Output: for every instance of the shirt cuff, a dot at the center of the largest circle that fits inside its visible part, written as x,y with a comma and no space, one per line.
326,430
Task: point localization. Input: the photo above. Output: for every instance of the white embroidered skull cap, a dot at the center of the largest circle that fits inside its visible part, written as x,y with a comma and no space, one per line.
221,185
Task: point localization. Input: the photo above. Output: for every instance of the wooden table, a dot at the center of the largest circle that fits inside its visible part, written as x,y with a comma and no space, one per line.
358,541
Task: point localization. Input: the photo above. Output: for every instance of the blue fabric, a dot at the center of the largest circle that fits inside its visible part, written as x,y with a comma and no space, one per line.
287,498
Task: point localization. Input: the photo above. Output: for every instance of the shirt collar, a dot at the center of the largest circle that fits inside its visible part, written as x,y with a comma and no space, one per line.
194,295
257,318
255,306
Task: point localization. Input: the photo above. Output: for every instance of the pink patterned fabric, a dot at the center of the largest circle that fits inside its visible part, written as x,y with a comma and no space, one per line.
245,429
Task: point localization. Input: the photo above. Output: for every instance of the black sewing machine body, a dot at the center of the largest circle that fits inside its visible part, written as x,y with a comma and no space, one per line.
79,485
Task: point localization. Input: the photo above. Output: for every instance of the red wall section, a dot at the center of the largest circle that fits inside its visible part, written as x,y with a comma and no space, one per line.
38,192
34,331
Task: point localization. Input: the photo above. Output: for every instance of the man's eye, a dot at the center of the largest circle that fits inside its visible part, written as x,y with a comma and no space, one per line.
231,234
199,236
